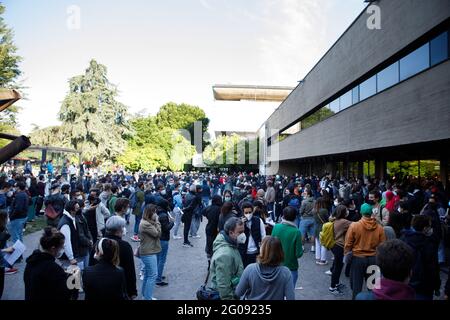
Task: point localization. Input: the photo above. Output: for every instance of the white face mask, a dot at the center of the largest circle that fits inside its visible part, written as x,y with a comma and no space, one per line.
249,216
336,203
163,192
124,231
80,197
60,253
241,238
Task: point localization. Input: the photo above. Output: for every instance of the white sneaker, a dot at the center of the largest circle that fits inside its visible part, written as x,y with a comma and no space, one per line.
312,249
197,236
328,272
153,298
177,237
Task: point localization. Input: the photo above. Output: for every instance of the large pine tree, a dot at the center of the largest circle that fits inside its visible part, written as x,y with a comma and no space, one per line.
92,119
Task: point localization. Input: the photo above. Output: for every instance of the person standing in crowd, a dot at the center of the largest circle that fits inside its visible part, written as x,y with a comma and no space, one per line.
212,213
73,243
267,279
226,212
362,240
321,216
150,246
192,201
177,209
111,201
44,279
33,193
206,192
114,231
395,260
255,231
57,201
425,278
291,241
307,219
105,195
136,202
5,268
18,215
105,280
226,262
270,199
340,227
41,195
166,225
50,169
197,214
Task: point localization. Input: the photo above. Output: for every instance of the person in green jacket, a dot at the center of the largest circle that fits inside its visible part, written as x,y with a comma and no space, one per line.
226,262
291,240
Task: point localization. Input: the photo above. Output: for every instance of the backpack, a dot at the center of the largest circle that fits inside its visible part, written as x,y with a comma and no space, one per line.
326,236
133,200
294,202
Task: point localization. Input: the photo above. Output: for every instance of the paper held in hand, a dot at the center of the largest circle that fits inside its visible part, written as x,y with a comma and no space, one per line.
19,249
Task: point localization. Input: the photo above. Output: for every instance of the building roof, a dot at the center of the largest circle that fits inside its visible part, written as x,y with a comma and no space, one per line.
250,92
8,97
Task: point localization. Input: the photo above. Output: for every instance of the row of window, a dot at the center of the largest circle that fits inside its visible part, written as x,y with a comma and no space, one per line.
428,55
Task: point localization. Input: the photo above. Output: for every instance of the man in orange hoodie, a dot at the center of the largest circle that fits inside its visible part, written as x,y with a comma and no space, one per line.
362,240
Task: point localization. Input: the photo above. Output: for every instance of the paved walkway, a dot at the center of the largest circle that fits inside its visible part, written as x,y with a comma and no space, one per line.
186,270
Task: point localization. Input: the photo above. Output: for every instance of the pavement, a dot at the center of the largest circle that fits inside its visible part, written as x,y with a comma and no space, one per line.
186,270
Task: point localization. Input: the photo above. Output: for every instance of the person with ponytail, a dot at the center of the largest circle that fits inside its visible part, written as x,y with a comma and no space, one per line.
105,280
44,278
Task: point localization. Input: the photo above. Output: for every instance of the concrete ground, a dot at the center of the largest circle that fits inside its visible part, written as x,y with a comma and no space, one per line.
186,270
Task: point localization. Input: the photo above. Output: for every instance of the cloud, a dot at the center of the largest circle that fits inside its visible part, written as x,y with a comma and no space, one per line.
206,4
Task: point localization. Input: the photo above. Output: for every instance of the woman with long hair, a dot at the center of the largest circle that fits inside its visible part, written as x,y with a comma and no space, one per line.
321,216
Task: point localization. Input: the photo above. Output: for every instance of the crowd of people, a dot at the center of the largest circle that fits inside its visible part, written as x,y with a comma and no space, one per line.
258,228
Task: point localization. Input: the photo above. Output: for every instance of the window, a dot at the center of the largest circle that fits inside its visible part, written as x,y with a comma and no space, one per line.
346,100
368,88
355,95
415,62
334,106
388,77
439,48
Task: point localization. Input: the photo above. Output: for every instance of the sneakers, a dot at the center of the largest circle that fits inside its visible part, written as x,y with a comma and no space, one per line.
153,298
162,284
135,238
335,291
11,270
312,249
196,236
187,245
321,263
341,286
177,237
328,272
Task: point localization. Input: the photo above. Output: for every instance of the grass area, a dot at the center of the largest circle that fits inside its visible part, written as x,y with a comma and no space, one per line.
38,224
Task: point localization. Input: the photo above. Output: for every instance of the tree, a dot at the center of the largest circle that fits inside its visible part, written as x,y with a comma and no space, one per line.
9,71
94,122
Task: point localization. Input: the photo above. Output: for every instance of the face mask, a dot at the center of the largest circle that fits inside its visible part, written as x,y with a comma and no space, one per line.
336,203
124,231
163,192
60,253
227,198
399,210
80,197
249,216
371,202
241,238
429,232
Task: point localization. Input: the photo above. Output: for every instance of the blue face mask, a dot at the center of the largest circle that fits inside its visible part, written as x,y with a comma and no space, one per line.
227,198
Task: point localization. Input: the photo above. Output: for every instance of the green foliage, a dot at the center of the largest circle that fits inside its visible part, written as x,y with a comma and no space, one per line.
9,61
49,136
316,117
157,144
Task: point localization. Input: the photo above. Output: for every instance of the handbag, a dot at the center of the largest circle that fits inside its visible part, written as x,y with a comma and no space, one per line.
207,293
50,212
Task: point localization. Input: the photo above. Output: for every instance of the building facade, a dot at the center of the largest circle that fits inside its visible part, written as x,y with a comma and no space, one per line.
376,96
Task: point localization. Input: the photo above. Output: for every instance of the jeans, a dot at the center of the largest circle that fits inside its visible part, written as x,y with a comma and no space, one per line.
358,272
441,252
270,208
195,225
187,226
177,214
297,221
307,227
15,228
205,201
321,251
137,220
83,262
150,273
162,256
338,264
294,276
32,209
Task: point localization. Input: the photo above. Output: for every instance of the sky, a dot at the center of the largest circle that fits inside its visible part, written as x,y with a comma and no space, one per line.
172,50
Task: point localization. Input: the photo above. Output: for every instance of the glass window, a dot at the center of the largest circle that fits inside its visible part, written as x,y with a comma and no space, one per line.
415,62
346,100
368,88
387,77
355,95
334,106
439,48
